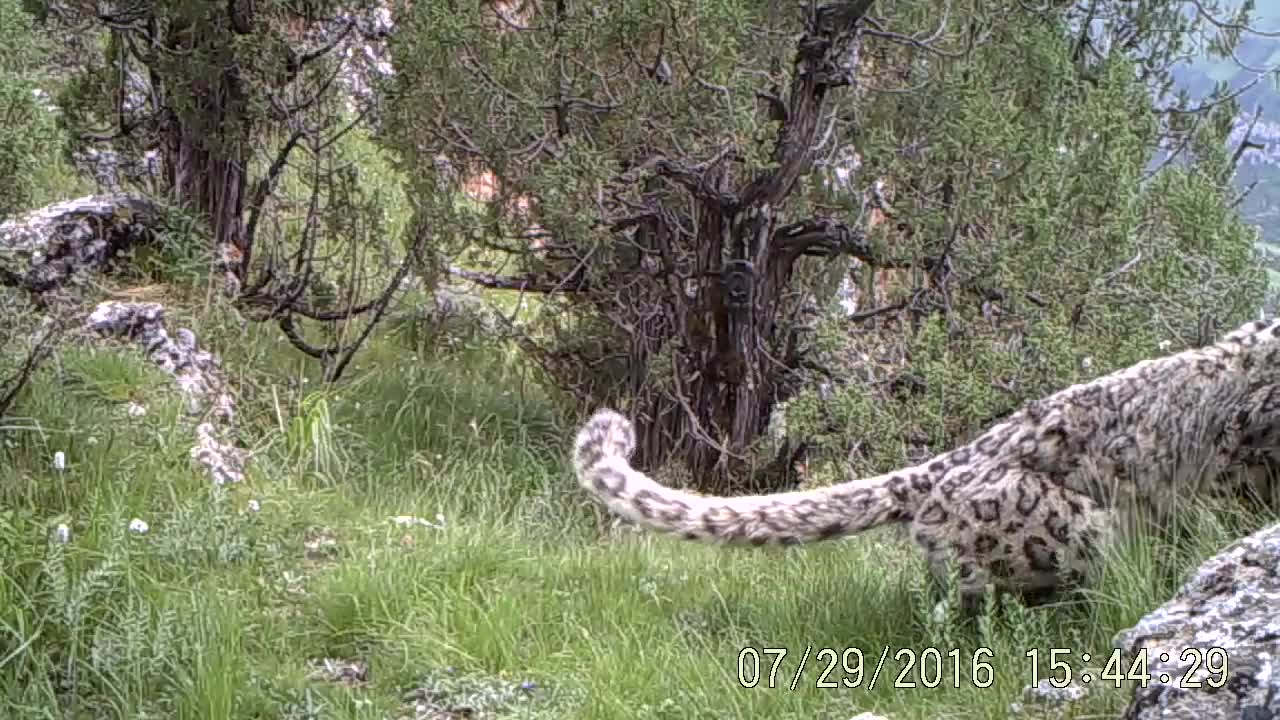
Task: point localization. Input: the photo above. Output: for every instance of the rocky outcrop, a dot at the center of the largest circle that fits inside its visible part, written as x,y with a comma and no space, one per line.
46,248
1230,609
197,372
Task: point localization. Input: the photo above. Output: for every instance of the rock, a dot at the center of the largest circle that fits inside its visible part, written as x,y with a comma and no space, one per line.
196,371
111,169
1228,610
1047,700
223,461
48,247
198,375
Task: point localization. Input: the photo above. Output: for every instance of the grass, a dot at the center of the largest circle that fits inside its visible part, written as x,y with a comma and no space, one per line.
512,599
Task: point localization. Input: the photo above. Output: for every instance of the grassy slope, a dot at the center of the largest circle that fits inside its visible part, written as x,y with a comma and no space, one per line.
217,611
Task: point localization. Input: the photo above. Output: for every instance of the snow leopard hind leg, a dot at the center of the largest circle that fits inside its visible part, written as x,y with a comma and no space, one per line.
1012,532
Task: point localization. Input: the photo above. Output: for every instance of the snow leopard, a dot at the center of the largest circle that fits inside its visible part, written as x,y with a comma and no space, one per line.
1024,507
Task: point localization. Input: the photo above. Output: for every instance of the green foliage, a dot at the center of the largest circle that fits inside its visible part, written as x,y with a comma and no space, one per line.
28,133
1028,170
179,253
203,52
1070,259
504,600
230,99
514,78
311,437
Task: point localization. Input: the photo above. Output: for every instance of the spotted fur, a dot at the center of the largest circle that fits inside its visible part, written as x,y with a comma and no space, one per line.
1023,507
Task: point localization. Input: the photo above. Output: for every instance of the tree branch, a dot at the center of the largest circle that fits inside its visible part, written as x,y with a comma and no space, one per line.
380,307
825,237
1246,143
42,349
267,185
532,282
821,63
297,60
691,178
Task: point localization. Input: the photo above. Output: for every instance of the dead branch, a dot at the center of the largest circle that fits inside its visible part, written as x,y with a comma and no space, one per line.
1246,142
336,357
414,256
40,351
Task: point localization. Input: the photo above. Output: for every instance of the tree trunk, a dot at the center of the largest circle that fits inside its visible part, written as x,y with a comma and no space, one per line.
728,374
208,176
205,145
730,343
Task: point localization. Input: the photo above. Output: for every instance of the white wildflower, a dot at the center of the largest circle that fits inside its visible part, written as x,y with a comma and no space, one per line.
136,410
62,534
91,440
939,613
1165,344
254,506
1086,363
59,461
406,520
648,586
139,526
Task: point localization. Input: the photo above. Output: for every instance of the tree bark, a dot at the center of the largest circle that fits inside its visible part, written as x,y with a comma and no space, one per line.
205,146
730,347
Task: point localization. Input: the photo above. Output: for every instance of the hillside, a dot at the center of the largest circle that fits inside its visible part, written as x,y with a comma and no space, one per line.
288,415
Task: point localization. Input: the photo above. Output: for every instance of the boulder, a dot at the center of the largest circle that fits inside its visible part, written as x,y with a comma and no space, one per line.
48,247
1229,609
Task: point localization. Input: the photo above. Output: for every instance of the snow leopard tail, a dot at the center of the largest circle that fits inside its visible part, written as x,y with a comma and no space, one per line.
605,443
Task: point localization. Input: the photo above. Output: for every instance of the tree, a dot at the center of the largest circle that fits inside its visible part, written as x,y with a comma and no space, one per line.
27,132
231,100
661,157
656,160
1049,239
26,128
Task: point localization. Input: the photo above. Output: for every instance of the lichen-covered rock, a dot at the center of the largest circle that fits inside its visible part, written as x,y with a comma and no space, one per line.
223,461
197,372
49,247
1230,605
